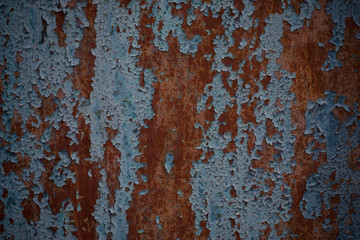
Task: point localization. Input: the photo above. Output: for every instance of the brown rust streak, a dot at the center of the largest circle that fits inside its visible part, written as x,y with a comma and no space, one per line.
353,157
31,211
85,185
112,165
84,72
16,124
159,139
60,18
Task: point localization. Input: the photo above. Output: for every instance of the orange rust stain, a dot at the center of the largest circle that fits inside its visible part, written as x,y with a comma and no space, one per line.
37,131
172,129
303,56
47,108
85,184
296,5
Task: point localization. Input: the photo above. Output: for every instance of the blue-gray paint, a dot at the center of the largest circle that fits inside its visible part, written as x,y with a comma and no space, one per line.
180,193
325,127
117,93
118,101
45,66
339,11
157,220
212,181
169,159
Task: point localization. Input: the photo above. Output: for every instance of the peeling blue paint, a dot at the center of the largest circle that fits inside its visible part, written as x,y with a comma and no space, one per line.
212,181
180,193
118,93
339,11
45,66
58,177
157,220
169,162
142,193
229,193
325,127
144,178
161,11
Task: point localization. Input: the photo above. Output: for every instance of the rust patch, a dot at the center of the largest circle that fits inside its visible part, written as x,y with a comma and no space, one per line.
84,72
229,118
174,100
16,124
31,210
60,18
111,165
19,59
22,162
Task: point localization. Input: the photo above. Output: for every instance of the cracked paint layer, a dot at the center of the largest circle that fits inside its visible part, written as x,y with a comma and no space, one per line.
181,119
338,178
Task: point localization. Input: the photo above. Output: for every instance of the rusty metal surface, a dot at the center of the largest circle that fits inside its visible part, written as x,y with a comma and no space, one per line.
181,119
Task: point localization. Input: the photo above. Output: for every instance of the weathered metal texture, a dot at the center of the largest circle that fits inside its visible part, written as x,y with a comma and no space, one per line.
181,119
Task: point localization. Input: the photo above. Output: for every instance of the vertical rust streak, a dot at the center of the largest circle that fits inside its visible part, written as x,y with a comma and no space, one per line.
60,18
85,184
84,191
84,72
181,81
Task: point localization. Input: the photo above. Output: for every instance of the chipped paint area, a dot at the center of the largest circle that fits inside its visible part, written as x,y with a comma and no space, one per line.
181,119
335,184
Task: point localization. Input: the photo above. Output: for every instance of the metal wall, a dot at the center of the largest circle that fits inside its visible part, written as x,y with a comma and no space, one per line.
180,119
